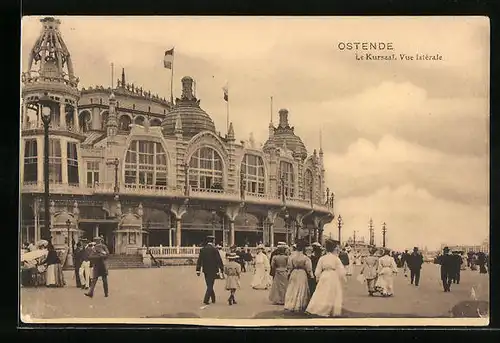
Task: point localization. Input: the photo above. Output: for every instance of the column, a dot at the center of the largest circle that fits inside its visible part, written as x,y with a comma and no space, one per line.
178,232
35,210
231,213
231,233
271,218
62,114
24,117
76,124
96,231
178,211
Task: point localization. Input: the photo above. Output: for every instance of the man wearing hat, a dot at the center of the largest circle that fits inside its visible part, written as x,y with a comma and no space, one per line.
446,261
456,267
98,256
316,254
414,262
210,261
77,262
85,267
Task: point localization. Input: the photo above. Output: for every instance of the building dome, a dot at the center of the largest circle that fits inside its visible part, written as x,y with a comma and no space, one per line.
284,136
193,119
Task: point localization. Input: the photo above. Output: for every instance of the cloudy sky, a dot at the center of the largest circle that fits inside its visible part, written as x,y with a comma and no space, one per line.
405,142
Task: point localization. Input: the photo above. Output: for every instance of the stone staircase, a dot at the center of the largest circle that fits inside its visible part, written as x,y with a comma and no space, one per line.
125,261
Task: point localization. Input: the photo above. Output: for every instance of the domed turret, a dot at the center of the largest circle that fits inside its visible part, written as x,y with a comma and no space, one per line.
194,119
284,136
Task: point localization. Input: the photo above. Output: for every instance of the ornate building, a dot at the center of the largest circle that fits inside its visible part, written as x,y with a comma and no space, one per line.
139,170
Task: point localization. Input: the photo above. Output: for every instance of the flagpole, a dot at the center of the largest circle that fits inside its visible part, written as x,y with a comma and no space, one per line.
227,108
112,75
271,110
172,79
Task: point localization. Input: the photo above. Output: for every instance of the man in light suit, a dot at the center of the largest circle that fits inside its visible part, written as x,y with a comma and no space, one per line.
210,262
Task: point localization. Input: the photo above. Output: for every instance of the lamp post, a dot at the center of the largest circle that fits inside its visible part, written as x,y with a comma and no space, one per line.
214,213
46,103
287,228
340,223
384,231
69,257
148,227
372,236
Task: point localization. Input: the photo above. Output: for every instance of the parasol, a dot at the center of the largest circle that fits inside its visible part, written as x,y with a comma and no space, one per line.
33,255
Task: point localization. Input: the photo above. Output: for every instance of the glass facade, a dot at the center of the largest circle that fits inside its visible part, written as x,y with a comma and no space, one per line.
252,168
205,169
145,164
72,153
55,161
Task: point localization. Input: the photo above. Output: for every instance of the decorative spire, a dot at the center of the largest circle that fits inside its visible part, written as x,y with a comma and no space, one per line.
187,88
251,140
178,125
112,121
271,130
123,78
49,57
283,118
320,143
230,132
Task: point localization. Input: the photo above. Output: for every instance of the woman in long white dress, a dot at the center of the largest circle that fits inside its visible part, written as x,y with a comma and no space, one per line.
330,274
386,269
261,278
297,293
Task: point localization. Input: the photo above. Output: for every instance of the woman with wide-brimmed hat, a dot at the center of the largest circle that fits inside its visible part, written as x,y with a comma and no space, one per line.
232,270
261,278
385,274
330,273
300,268
279,272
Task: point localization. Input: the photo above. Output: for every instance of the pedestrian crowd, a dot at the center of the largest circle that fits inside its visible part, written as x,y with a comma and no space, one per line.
310,280
41,265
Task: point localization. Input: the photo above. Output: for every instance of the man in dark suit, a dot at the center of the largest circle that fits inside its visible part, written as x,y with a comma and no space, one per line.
447,268
458,263
77,263
316,254
414,262
210,261
98,257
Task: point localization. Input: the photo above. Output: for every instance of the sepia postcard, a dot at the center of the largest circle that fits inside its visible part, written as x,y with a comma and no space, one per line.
254,171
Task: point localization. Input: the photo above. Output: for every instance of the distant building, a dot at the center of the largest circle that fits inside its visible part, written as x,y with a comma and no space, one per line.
483,247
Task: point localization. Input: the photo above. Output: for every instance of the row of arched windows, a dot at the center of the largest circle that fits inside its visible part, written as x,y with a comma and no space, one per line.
124,121
146,165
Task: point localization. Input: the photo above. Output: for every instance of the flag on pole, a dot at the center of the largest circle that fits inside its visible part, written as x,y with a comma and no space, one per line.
168,59
226,93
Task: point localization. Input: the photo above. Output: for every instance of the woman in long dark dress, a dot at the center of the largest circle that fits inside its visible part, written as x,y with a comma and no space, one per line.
54,274
279,272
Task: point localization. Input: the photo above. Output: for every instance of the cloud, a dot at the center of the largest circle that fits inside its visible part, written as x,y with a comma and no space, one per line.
392,162
414,217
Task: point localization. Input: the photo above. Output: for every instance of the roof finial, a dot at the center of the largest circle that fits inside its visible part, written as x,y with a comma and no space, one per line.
320,142
230,131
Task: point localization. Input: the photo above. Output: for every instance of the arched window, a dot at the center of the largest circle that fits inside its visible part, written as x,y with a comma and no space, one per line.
30,161
308,184
55,165
145,164
286,184
124,123
155,122
139,120
84,121
205,169
104,120
252,168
